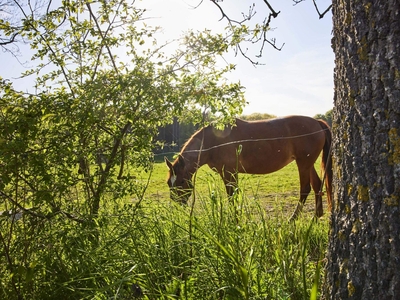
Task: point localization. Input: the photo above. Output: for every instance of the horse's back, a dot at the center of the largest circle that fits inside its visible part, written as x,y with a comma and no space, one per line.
293,121
268,145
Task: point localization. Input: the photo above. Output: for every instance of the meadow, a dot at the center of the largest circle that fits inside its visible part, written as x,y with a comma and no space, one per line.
148,247
277,192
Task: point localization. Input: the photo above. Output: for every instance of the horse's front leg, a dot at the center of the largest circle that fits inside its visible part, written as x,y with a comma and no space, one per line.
297,211
231,181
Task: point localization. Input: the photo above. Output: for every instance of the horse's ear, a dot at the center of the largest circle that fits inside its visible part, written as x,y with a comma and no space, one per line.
169,164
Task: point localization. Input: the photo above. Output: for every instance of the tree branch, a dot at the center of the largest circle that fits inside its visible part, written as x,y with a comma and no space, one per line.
11,40
316,7
103,37
256,35
111,162
273,12
31,211
326,10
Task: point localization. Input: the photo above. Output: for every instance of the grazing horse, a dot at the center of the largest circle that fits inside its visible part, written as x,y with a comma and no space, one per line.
257,147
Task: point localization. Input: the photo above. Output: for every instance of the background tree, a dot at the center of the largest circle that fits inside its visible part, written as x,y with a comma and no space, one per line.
326,117
257,116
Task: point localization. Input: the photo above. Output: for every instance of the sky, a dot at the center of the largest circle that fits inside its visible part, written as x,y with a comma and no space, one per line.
296,80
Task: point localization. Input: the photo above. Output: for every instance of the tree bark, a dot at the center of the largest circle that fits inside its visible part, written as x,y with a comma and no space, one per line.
364,248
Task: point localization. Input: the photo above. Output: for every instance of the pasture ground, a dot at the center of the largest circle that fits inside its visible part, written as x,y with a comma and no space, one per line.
276,192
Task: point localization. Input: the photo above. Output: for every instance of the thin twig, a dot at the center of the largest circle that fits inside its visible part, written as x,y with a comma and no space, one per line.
326,10
265,27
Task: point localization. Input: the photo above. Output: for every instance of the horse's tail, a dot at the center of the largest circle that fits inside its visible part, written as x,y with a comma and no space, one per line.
327,161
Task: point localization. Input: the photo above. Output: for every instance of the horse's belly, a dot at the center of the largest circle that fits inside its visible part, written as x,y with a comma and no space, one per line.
257,165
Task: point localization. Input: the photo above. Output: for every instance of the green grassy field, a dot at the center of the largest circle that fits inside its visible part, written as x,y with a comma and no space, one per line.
276,191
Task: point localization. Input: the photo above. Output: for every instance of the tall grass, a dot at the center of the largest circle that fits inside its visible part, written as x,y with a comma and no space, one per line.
215,248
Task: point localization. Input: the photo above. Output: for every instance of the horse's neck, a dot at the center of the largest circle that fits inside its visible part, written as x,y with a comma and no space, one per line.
194,159
193,163
193,151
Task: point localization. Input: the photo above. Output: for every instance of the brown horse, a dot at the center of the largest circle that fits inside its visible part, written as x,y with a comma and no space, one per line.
264,147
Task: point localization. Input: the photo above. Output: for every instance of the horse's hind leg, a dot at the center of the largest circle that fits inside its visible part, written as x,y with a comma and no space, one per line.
305,188
316,185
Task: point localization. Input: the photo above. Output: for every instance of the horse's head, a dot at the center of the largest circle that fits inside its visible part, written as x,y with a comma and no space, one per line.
179,180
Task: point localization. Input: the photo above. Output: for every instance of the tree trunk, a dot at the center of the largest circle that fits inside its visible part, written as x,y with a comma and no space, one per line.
364,247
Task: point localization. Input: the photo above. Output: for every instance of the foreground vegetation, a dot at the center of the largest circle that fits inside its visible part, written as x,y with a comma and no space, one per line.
151,248
80,221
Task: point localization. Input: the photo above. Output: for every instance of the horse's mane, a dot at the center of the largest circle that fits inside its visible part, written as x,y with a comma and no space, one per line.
191,139
199,134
